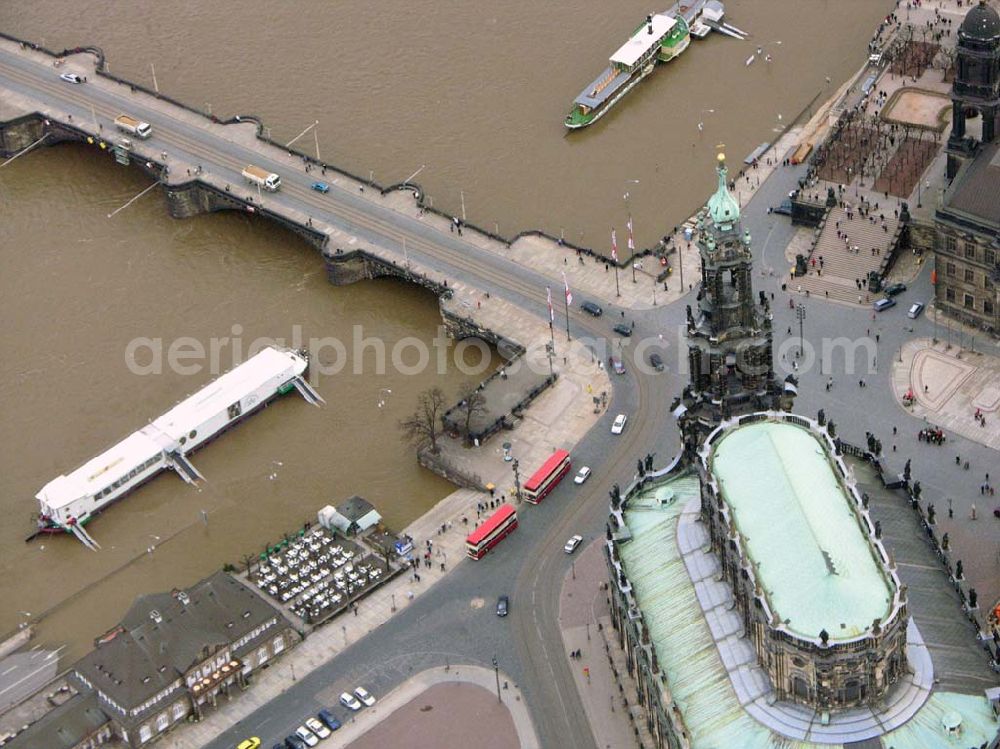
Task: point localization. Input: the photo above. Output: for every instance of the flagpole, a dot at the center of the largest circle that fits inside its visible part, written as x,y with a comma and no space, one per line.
566,305
632,246
614,256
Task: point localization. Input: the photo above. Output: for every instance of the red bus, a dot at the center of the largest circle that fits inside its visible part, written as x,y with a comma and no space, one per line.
491,532
545,478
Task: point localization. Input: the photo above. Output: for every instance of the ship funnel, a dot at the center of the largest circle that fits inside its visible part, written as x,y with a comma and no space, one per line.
649,24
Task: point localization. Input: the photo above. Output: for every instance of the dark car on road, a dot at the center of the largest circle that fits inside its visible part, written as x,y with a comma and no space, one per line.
503,606
623,329
894,289
656,361
784,209
328,720
592,308
294,742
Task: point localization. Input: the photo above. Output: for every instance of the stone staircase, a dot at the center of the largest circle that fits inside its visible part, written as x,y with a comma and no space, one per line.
842,266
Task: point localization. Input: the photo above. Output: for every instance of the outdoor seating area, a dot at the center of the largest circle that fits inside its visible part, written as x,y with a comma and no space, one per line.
317,574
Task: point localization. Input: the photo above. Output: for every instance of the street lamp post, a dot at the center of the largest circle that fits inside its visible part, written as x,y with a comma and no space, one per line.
800,314
496,672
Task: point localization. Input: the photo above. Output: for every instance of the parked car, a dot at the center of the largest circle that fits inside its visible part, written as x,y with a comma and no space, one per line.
784,208
894,289
348,700
307,736
656,361
884,304
915,309
72,77
364,695
328,719
592,308
320,187
294,742
571,545
317,728
252,743
619,426
623,329
503,605
617,365
582,475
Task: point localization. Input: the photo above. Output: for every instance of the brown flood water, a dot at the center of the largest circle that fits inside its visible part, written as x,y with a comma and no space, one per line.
476,94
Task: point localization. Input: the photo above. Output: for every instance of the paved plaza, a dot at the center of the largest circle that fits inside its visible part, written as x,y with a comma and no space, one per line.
447,711
950,385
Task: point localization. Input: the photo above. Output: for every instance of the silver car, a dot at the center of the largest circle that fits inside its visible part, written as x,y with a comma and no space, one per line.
915,309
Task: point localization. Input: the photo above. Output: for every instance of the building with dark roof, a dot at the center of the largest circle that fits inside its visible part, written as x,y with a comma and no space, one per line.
175,653
79,723
353,515
968,221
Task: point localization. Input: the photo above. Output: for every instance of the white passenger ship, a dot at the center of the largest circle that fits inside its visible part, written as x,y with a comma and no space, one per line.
68,502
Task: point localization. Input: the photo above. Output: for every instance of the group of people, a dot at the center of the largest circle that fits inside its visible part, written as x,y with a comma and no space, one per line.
933,436
980,417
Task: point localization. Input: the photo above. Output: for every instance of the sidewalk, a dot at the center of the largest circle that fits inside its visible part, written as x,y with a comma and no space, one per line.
585,622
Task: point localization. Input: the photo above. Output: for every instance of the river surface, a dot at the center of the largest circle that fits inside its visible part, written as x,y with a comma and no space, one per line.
471,95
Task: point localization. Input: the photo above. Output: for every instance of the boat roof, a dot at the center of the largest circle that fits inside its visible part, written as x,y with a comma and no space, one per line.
164,433
795,517
231,387
593,96
642,41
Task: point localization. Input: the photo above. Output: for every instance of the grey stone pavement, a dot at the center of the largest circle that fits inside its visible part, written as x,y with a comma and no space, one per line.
585,620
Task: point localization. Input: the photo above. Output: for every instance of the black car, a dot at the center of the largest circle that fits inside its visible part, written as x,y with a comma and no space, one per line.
328,720
623,329
656,362
784,209
294,742
592,308
503,606
894,289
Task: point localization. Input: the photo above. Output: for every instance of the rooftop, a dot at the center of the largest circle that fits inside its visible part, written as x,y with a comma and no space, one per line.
976,189
164,433
696,676
163,635
642,41
811,556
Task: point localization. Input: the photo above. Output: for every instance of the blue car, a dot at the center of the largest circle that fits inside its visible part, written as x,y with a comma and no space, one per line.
321,187
884,304
328,720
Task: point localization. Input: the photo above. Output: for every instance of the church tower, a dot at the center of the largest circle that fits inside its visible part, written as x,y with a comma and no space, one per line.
729,334
977,82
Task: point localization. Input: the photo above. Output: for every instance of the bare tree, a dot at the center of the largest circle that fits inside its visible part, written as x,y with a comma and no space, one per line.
472,403
424,427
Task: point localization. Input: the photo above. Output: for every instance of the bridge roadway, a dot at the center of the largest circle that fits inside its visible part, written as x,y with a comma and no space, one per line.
440,627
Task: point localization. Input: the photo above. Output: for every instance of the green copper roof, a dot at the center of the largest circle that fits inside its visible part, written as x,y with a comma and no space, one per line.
722,206
812,557
697,678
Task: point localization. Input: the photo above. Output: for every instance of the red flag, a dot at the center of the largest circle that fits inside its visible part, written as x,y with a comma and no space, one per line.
569,296
548,294
614,246
631,239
